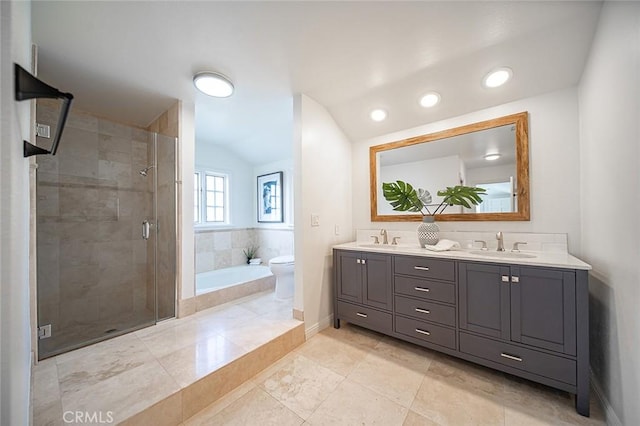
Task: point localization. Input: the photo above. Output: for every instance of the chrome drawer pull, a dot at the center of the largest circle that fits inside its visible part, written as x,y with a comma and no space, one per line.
511,357
426,333
421,268
423,311
421,289
361,315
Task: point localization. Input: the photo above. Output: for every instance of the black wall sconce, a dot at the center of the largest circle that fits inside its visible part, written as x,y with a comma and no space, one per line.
29,87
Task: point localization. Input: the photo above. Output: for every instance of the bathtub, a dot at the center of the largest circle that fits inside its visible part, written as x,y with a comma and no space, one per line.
229,277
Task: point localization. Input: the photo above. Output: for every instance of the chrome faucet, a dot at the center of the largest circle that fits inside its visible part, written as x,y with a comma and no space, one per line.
500,241
385,238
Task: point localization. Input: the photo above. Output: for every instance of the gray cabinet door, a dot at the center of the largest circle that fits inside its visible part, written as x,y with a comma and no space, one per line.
378,291
529,305
484,299
543,308
349,276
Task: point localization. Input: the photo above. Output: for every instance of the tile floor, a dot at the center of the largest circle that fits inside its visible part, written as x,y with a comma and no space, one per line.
129,373
349,376
352,376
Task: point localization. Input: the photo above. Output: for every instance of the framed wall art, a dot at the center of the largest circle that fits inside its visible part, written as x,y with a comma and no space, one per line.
269,194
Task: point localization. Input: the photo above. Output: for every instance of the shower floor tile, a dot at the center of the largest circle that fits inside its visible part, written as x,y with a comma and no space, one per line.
120,377
74,336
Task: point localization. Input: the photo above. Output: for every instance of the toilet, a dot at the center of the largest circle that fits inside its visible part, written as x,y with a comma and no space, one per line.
282,267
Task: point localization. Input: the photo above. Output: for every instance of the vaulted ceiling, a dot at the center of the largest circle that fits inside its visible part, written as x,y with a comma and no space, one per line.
129,61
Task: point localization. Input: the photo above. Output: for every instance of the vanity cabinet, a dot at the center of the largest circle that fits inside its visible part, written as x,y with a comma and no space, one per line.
363,289
529,321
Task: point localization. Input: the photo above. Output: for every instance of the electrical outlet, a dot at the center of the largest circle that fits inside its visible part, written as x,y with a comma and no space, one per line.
315,220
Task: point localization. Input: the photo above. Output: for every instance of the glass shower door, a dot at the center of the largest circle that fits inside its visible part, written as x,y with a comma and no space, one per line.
165,202
96,271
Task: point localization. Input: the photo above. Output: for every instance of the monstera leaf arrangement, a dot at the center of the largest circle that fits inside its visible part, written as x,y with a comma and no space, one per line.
405,198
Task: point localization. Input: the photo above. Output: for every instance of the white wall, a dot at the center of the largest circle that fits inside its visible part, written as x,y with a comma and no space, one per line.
187,153
243,185
553,158
15,124
241,180
322,187
610,204
286,167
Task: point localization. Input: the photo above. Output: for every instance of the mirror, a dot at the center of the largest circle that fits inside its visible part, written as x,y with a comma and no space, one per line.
459,156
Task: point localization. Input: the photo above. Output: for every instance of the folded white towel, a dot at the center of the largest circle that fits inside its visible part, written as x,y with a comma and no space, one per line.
444,245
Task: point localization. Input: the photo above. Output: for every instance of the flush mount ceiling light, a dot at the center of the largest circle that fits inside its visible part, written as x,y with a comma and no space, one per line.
430,99
213,84
378,114
497,77
492,157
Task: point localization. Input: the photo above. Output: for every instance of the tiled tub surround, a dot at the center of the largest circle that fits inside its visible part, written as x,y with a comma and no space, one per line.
229,277
222,248
93,266
166,373
232,283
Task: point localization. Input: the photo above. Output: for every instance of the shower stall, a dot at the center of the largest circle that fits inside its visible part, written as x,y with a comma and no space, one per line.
106,232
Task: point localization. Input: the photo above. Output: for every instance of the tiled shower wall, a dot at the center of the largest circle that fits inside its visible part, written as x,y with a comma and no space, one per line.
91,201
217,249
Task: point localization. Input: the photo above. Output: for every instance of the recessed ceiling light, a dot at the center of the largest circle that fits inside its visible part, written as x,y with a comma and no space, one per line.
378,114
492,157
430,99
497,77
213,84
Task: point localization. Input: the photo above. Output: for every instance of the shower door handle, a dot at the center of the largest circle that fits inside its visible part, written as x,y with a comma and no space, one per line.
145,229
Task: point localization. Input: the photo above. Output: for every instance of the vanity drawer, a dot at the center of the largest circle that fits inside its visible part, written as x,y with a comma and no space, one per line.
425,267
424,310
365,317
424,289
426,332
542,364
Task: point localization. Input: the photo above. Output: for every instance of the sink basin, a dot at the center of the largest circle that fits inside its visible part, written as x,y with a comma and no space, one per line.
503,254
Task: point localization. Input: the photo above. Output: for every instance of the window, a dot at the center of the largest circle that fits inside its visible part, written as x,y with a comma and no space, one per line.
211,198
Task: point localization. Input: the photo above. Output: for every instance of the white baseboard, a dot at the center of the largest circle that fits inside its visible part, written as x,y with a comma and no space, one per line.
610,415
314,329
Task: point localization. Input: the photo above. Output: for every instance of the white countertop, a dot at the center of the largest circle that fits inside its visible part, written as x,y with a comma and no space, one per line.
552,259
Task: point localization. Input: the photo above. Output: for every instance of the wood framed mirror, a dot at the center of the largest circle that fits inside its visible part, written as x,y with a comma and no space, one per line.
492,154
